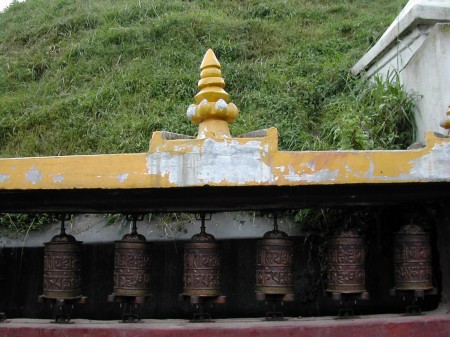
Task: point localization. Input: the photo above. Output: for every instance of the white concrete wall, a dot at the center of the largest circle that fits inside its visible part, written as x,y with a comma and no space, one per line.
417,46
428,73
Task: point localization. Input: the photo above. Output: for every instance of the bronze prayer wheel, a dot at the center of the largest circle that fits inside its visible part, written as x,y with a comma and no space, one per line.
346,255
132,266
62,268
202,266
274,262
412,259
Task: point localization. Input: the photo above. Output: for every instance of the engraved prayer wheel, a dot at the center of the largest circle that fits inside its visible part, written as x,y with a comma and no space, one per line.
346,255
132,266
274,262
412,259
62,268
202,266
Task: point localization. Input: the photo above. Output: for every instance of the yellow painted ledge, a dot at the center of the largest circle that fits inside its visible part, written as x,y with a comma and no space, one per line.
227,162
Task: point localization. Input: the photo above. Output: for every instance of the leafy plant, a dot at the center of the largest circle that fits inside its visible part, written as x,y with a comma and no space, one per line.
20,223
372,115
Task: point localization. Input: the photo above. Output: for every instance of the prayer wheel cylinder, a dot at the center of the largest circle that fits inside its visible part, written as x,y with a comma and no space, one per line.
346,256
202,266
274,262
62,268
132,266
412,259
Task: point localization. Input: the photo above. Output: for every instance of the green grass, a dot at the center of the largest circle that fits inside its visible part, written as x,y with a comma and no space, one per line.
90,76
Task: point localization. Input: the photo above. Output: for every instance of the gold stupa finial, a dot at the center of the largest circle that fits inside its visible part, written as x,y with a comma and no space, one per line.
212,112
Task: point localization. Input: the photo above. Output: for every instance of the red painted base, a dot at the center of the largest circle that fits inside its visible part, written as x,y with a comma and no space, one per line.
431,324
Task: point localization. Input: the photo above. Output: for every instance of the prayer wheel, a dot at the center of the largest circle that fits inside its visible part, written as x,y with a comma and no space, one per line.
412,259
346,255
132,266
202,265
274,262
62,267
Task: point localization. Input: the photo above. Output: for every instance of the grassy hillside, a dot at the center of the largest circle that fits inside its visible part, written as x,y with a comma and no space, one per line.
91,76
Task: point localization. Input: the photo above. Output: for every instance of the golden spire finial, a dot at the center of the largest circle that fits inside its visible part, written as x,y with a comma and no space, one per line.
212,111
209,60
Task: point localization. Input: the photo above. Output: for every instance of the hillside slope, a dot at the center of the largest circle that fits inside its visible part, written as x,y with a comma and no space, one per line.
82,77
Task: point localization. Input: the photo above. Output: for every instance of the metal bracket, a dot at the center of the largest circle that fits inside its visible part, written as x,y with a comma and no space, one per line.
131,306
345,299
346,312
274,299
129,313
199,303
413,296
63,216
62,308
201,316
203,216
134,217
274,316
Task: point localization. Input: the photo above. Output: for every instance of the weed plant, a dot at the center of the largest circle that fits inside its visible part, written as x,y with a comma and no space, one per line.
21,224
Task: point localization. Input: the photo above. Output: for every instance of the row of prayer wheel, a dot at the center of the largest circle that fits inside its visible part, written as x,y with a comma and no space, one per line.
412,261
274,264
